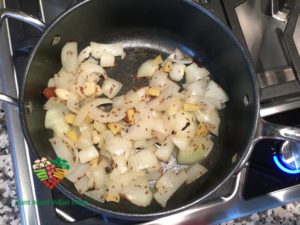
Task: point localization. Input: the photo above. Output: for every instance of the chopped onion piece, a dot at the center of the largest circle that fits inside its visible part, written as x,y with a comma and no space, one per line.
160,103
112,194
55,120
98,195
77,171
114,174
53,103
197,87
61,149
167,185
185,124
182,143
117,145
154,173
159,80
99,49
131,99
84,141
137,192
165,150
198,150
177,72
143,143
114,115
214,90
84,54
73,102
120,161
83,111
92,60
192,98
142,160
127,101
107,59
171,89
118,181
125,178
51,82
158,125
82,185
69,57
193,73
63,79
89,88
111,87
91,71
100,176
62,93
142,93
147,69
211,101
91,177
174,107
194,172
88,154
210,118
118,101
100,127
178,57
137,131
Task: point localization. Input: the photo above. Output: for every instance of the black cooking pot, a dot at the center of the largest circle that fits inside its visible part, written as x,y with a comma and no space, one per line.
146,28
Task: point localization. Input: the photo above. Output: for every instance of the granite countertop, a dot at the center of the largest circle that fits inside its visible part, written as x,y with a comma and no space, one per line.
9,213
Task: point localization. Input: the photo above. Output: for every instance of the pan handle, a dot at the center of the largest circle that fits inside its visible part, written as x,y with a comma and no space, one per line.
24,17
280,132
8,99
266,130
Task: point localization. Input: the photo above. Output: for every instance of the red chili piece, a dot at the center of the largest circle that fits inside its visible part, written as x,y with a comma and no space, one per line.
49,92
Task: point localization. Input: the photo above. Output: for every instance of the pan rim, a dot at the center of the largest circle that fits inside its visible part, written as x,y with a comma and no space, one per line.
146,216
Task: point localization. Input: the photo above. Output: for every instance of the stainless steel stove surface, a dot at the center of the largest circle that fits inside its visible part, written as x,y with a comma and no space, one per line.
268,29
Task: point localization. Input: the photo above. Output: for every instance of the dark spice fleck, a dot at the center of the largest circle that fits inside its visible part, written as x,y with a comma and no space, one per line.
186,126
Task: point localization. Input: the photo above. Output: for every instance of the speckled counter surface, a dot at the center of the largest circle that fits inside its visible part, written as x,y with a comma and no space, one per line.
9,213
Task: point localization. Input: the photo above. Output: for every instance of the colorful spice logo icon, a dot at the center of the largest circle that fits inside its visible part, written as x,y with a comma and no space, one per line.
50,172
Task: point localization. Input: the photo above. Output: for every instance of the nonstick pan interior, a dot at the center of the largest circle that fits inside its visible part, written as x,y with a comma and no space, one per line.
148,28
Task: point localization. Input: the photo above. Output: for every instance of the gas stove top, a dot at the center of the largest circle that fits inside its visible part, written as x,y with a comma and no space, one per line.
269,30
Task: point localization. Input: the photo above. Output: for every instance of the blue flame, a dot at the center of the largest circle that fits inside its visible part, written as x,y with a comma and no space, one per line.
284,169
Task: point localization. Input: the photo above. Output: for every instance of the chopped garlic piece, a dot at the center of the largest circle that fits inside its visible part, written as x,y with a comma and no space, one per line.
158,60
114,128
94,162
168,66
153,91
72,135
112,197
130,116
202,130
69,118
97,138
88,119
190,107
